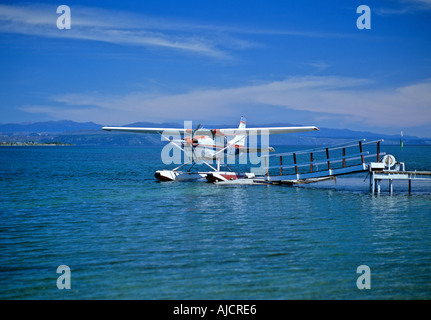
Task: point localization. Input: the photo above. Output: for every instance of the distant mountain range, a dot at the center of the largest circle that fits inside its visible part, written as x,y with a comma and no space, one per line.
48,127
90,134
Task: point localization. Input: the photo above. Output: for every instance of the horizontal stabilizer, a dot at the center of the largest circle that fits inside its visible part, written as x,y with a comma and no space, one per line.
256,150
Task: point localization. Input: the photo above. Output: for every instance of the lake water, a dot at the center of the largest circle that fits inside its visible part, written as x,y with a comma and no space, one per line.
101,212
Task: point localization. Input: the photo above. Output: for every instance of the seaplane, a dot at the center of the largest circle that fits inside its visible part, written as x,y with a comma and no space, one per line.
201,145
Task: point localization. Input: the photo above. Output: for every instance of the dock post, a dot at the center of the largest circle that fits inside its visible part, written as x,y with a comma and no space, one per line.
281,166
361,151
391,188
410,185
378,151
378,186
311,160
294,161
344,157
372,183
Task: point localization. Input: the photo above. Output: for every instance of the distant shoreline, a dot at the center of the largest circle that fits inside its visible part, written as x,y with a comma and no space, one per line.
33,144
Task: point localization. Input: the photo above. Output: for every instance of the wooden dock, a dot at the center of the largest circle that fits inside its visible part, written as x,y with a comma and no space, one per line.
300,166
390,175
313,165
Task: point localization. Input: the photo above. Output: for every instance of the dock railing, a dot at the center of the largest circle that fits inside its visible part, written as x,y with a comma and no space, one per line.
322,162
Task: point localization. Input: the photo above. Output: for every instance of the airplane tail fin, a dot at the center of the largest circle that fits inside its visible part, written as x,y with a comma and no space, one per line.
240,140
242,123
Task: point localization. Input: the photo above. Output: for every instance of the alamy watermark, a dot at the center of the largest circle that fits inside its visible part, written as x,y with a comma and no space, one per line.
64,21
364,20
364,280
213,145
64,280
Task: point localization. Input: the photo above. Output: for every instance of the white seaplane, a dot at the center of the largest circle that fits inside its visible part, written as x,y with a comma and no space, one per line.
201,145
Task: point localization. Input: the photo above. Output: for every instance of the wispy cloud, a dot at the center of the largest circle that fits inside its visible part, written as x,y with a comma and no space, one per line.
319,65
122,28
135,29
399,7
419,3
352,100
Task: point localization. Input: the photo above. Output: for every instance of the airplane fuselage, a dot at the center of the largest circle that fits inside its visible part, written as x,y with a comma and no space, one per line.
207,148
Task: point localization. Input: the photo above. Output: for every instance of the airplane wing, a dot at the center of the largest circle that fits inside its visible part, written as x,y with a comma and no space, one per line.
269,130
166,131
211,132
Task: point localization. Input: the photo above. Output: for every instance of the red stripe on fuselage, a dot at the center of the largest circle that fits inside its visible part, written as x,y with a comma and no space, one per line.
213,146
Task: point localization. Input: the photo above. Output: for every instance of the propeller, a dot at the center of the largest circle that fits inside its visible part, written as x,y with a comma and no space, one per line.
197,128
194,144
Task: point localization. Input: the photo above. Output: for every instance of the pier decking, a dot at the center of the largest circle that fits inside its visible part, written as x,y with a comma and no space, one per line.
313,165
391,175
322,163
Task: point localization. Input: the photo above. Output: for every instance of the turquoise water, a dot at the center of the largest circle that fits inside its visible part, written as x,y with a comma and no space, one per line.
126,236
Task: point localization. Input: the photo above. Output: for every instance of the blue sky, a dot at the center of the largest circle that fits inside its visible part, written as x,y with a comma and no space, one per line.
301,62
